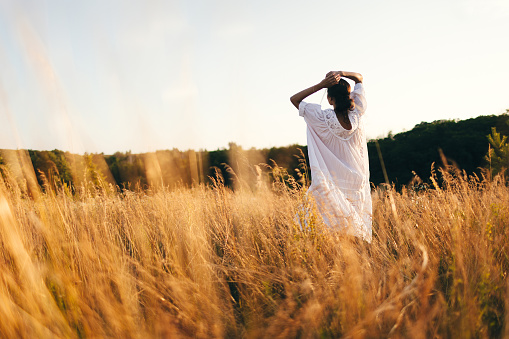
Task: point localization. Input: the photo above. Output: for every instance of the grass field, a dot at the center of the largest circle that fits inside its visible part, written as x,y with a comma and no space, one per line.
211,262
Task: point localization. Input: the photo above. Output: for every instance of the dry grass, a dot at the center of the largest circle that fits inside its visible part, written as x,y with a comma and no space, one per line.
209,262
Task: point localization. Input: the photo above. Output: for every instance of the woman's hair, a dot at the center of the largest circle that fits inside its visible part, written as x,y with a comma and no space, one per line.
341,95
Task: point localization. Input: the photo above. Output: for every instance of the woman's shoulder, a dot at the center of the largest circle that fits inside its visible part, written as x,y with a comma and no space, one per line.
359,98
309,109
358,89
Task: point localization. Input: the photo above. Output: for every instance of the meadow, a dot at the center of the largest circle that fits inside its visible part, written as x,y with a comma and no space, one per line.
209,261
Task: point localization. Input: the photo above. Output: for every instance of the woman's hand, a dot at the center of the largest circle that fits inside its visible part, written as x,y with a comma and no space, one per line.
357,77
334,72
331,79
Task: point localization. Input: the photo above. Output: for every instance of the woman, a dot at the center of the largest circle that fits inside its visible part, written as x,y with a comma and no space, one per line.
338,153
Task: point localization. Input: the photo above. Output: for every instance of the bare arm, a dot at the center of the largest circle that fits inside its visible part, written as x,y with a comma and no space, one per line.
330,79
357,77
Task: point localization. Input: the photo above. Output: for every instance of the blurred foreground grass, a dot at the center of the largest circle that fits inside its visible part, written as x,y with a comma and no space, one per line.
211,262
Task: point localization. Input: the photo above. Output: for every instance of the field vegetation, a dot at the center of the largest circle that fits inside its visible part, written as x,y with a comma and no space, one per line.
214,261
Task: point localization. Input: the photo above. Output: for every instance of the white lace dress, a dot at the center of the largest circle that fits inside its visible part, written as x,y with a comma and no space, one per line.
339,166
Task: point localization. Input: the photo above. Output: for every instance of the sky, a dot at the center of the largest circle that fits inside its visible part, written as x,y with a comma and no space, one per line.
118,75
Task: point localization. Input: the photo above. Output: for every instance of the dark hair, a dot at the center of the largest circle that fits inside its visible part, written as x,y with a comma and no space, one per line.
341,95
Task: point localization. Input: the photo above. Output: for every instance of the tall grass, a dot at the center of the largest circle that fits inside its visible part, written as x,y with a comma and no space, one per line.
211,262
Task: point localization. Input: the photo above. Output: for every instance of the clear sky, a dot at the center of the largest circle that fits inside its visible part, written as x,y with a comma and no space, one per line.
117,75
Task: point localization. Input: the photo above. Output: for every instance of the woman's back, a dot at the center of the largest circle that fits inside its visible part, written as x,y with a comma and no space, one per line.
343,151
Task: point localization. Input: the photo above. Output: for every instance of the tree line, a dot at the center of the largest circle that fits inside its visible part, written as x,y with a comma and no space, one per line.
471,145
461,143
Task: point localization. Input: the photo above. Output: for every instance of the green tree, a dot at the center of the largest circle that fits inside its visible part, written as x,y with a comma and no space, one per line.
498,154
462,142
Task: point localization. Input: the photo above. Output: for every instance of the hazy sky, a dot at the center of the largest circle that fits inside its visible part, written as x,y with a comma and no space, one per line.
106,76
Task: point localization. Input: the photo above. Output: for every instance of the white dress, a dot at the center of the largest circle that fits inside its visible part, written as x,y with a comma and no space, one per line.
339,166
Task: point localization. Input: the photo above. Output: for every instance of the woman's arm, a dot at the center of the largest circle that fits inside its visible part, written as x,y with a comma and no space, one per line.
357,77
331,79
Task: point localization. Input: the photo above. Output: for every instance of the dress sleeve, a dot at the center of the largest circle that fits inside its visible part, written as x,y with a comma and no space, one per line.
359,98
312,113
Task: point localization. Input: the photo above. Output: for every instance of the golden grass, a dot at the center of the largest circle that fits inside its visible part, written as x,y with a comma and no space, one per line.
210,262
